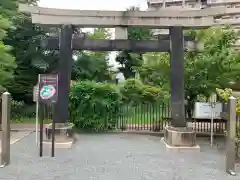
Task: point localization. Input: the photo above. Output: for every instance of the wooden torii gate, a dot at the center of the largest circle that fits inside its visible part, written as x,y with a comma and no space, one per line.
66,44
177,135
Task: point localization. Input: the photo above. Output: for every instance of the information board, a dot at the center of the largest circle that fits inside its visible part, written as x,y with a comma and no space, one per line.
48,88
203,110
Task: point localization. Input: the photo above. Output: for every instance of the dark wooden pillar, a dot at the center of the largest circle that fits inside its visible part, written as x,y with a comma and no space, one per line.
177,77
61,114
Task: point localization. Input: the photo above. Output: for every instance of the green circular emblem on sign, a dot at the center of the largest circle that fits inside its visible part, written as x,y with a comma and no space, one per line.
47,92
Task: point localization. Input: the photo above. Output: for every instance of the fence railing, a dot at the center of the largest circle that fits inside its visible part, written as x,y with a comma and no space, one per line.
155,117
148,117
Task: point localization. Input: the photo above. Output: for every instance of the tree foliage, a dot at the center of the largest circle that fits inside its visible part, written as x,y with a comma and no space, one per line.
25,40
31,60
135,92
214,67
131,61
94,106
155,70
92,65
7,61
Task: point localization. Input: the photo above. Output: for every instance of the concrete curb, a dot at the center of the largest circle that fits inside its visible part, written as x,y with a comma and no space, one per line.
151,133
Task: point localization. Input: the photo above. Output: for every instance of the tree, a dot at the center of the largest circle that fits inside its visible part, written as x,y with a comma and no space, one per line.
7,61
155,70
89,67
24,38
92,65
216,66
131,61
205,71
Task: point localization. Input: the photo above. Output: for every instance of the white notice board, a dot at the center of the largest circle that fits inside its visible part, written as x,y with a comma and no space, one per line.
203,110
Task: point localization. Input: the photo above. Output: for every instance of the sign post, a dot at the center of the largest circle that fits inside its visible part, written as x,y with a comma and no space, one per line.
35,99
213,100
208,110
48,94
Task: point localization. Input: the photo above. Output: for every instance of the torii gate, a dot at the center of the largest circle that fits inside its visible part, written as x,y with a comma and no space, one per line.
177,135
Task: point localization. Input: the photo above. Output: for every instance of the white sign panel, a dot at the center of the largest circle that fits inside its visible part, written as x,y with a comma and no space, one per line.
203,110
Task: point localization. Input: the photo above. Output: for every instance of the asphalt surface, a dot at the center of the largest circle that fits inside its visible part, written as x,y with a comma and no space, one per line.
114,157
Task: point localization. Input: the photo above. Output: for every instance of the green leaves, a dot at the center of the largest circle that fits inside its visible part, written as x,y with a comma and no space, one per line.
7,61
92,65
94,106
155,70
132,61
205,71
134,91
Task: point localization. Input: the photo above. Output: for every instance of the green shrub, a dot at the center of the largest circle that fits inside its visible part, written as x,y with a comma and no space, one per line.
16,108
19,110
134,91
94,106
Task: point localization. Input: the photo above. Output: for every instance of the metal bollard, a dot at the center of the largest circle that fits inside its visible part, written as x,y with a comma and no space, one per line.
231,134
6,108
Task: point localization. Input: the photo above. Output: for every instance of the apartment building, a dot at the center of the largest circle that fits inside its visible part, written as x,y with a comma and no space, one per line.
154,5
157,4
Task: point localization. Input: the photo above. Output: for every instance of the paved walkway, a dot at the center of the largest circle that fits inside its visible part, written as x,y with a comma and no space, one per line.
114,157
16,136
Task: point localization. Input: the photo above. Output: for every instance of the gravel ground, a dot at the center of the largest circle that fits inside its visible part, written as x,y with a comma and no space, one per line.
114,157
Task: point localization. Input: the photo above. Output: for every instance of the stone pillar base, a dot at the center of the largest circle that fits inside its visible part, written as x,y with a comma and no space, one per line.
64,135
180,139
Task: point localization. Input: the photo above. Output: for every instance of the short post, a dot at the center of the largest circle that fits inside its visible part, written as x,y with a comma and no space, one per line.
231,134
41,130
5,154
213,100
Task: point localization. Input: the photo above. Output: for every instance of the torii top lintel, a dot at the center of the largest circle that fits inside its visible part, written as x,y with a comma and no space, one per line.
201,18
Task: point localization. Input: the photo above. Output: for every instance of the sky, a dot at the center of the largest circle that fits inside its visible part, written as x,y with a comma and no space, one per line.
95,5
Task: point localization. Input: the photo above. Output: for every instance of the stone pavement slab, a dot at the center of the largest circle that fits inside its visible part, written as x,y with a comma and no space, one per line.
114,157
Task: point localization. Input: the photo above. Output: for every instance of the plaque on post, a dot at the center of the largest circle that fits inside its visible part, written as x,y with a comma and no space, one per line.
48,88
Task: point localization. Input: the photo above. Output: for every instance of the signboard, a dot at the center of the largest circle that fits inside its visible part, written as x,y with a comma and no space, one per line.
48,88
203,110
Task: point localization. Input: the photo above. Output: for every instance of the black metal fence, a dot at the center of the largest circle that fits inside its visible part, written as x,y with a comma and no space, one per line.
155,117
140,117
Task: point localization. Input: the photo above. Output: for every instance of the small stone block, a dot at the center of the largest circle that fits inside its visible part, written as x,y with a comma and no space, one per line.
180,137
64,136
58,145
60,129
169,148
